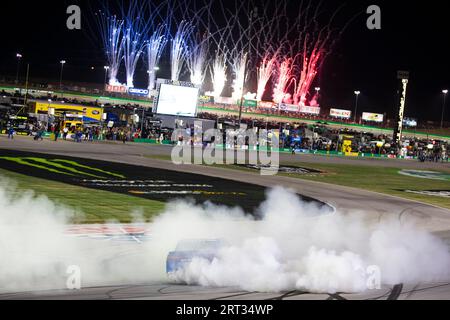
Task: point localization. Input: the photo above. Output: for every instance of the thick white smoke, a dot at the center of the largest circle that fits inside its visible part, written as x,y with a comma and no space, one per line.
36,252
294,246
297,246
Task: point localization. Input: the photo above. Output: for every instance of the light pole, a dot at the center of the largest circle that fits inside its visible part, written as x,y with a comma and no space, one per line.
106,75
317,95
62,62
19,58
25,102
357,93
443,107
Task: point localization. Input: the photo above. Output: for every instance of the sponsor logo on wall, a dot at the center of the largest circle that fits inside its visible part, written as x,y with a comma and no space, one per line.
116,89
138,92
373,117
338,113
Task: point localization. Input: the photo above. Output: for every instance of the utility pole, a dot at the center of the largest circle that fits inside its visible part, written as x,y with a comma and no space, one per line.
104,82
445,92
19,58
357,93
63,62
26,86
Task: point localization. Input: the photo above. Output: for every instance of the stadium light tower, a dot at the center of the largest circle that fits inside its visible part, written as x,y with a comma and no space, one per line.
62,62
19,58
357,93
106,76
106,73
317,95
445,92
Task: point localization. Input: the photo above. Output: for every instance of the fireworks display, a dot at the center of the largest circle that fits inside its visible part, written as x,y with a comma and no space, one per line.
285,78
179,51
197,61
265,71
252,46
218,75
111,32
155,48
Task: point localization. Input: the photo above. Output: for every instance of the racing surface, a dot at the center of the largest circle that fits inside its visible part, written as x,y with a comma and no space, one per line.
160,185
373,207
171,292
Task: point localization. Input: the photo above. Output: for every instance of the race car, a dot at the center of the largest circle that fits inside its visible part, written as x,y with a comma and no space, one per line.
188,250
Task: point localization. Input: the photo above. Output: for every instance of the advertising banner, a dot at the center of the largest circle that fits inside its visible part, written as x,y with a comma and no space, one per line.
250,104
267,105
412,123
289,107
310,110
116,89
138,92
299,109
89,113
225,100
373,117
206,99
338,113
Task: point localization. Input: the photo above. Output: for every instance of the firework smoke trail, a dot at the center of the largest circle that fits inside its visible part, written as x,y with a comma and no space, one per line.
280,93
311,48
133,50
155,48
179,53
265,72
111,31
199,42
197,61
219,74
229,39
250,40
219,68
307,77
239,66
136,27
288,50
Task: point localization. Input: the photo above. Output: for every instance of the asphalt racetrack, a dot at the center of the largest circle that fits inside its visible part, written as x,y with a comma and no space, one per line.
121,164
161,184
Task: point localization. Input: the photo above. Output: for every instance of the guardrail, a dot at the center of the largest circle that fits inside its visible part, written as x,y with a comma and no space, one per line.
289,151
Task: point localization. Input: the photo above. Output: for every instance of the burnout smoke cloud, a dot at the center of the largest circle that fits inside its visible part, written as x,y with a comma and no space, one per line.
294,246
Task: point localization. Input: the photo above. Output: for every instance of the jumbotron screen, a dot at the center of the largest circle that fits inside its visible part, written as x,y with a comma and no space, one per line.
177,101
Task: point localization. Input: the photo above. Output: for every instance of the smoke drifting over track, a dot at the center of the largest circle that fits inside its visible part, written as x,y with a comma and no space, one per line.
294,246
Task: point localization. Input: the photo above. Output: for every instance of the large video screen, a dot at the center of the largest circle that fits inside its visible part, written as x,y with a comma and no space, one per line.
177,101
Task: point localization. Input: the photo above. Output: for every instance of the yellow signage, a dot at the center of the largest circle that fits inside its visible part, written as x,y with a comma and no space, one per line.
347,146
88,113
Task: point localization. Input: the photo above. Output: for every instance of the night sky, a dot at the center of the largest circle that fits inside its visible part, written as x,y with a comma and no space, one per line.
415,36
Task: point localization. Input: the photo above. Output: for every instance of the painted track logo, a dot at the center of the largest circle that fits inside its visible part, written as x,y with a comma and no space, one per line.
432,175
117,233
62,167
